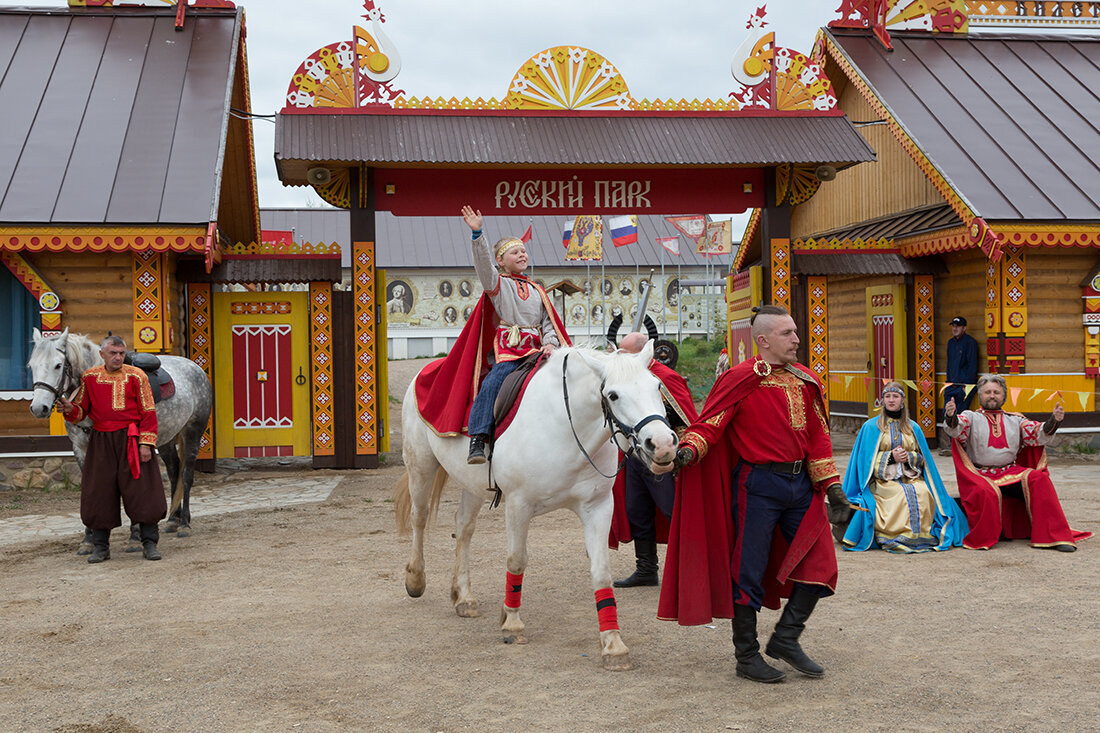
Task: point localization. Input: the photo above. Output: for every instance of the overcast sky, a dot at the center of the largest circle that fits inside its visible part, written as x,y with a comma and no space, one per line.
473,48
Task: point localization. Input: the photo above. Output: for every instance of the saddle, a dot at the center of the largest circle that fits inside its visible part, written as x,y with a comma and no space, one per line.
160,381
512,389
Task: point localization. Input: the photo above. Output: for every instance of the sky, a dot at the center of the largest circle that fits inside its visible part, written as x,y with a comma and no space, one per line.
473,48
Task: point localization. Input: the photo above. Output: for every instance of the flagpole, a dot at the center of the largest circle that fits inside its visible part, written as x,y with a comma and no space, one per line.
679,310
664,297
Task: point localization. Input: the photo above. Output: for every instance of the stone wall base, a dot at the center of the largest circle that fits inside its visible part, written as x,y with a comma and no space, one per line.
36,473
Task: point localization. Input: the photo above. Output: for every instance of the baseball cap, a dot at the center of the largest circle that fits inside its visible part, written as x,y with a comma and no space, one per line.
958,321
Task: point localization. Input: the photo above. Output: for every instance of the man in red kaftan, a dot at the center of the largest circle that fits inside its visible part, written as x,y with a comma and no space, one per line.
119,461
750,523
1001,465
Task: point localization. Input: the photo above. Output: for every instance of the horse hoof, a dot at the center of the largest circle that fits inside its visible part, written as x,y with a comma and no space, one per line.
132,548
514,639
468,609
85,548
183,532
617,662
170,527
414,592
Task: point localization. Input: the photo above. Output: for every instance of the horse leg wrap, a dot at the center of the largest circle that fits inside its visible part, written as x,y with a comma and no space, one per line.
606,610
513,589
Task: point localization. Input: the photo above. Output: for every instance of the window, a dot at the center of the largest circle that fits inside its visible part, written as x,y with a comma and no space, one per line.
16,341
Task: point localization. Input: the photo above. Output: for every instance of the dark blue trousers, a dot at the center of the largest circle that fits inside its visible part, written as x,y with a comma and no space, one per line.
762,500
645,494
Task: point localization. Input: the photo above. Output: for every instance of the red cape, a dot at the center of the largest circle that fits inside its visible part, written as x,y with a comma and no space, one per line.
620,525
697,585
446,387
1016,522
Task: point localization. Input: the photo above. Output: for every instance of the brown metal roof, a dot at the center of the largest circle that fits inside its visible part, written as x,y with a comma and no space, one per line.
1012,121
414,137
908,223
869,263
113,116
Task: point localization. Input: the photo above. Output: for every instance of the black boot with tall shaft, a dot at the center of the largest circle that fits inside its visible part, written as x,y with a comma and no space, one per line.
750,664
784,642
101,541
645,553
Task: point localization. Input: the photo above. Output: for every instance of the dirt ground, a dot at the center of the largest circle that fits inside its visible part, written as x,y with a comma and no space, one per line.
297,619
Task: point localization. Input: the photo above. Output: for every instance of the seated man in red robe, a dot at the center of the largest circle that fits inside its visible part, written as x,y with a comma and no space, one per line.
1001,466
750,504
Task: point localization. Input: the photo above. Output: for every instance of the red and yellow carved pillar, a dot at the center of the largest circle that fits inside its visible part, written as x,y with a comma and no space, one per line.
781,272
150,302
199,350
365,298
818,323
1006,312
320,316
925,344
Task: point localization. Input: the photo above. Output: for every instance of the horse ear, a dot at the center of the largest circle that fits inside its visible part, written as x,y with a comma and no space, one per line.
646,354
593,363
64,335
37,336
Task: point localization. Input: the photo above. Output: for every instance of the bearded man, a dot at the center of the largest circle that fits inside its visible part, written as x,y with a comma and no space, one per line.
1001,467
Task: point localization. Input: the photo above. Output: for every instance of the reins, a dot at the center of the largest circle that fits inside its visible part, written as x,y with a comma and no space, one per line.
65,381
618,427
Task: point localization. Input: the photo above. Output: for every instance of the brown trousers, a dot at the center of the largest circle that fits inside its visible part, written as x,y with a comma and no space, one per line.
107,477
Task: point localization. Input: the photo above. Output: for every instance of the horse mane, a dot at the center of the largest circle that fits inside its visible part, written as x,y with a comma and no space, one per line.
81,352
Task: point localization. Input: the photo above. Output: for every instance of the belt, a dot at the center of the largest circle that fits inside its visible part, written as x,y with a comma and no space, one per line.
791,468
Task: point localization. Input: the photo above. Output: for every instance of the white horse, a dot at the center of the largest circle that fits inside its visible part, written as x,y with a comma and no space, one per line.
558,453
56,365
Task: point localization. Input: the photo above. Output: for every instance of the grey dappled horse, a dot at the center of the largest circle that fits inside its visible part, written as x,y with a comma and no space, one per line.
56,365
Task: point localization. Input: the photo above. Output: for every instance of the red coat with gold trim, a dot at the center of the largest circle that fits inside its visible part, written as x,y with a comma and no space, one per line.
116,400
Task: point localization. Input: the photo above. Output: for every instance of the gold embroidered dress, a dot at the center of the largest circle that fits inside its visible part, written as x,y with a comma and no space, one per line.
905,507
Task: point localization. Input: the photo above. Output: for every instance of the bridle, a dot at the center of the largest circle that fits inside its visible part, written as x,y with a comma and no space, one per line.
618,427
66,381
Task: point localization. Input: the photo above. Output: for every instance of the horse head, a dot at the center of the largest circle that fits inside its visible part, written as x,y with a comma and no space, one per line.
633,405
51,370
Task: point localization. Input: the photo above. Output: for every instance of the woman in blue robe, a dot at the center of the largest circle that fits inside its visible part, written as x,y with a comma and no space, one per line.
892,475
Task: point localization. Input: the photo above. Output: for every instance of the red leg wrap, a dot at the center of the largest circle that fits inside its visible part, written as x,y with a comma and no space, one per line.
606,611
513,589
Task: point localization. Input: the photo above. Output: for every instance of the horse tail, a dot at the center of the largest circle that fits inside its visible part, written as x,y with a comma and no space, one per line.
402,500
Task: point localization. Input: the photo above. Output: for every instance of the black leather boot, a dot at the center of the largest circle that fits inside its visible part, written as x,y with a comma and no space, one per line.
645,552
784,642
750,664
101,542
150,535
477,450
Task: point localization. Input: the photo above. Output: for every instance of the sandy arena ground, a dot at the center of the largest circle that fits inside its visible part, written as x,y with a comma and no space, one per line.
296,619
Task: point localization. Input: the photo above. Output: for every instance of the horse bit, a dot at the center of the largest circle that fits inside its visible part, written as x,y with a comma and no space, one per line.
618,427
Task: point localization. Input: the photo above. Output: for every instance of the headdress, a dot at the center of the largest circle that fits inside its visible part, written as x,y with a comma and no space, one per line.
506,244
893,388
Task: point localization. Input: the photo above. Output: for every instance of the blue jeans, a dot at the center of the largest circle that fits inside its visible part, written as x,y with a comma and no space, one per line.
481,413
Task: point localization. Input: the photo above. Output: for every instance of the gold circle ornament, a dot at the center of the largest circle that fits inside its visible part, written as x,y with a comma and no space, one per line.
761,368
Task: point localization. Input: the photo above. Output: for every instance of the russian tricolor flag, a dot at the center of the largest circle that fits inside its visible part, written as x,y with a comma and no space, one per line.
567,234
624,229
